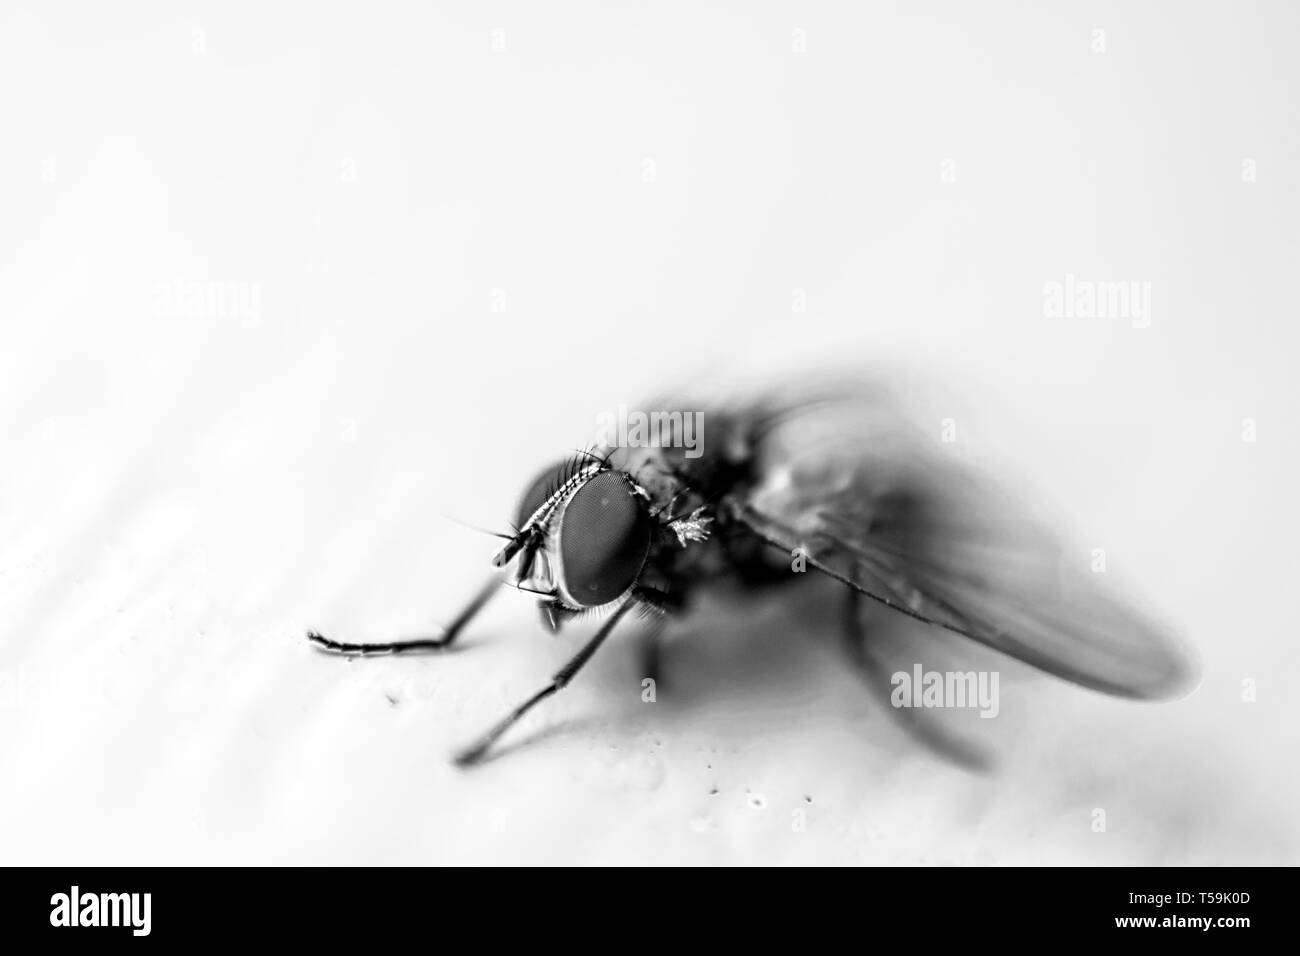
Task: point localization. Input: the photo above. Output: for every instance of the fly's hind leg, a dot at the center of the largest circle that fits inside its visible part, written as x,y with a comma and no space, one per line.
916,723
447,638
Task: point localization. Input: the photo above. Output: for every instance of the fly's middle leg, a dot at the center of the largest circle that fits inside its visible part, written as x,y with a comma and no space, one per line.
652,655
655,604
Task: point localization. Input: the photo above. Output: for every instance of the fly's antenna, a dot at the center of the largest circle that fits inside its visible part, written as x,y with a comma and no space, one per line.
474,527
530,537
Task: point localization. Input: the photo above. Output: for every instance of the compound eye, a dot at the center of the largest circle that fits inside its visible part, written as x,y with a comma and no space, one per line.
542,487
604,539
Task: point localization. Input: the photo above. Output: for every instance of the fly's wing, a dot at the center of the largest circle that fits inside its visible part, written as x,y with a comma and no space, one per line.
869,503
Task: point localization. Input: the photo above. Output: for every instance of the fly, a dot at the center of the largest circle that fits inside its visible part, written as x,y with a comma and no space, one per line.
837,483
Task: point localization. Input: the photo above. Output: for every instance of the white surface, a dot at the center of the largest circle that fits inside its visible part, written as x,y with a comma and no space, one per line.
185,489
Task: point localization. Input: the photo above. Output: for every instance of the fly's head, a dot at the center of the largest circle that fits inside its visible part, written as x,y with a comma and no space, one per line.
584,535
586,531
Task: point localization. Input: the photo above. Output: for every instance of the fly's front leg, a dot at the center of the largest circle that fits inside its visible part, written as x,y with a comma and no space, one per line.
449,635
474,753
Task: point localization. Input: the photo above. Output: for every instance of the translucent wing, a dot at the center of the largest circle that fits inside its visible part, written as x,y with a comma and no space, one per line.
843,478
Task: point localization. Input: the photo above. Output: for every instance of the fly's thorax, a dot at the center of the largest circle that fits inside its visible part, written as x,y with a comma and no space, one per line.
653,469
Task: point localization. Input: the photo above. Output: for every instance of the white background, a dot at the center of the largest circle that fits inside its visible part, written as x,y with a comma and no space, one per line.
464,244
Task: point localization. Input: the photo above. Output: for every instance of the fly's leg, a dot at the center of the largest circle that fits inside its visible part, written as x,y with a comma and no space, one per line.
926,731
423,644
474,753
654,603
853,635
652,656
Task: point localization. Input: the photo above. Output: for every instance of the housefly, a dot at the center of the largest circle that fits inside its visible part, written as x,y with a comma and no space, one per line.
835,483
